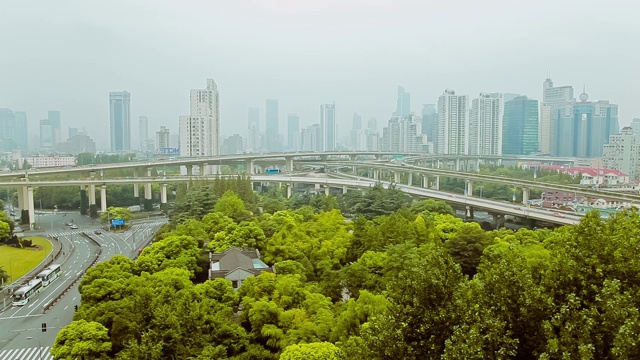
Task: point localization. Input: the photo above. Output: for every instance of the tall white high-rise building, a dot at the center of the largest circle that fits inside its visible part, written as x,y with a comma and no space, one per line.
485,124
328,126
452,123
623,152
163,138
555,101
404,134
143,123
200,131
253,141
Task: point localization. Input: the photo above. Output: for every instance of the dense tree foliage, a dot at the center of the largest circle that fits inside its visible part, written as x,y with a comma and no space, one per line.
400,280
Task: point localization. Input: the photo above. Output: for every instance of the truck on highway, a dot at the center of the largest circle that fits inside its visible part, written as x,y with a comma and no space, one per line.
134,208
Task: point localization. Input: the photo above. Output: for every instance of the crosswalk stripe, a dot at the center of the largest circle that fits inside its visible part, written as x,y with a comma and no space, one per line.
26,354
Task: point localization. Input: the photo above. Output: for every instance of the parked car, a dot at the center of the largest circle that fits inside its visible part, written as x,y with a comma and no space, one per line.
17,229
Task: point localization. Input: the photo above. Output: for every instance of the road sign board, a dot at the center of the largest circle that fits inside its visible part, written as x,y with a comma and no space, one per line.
117,222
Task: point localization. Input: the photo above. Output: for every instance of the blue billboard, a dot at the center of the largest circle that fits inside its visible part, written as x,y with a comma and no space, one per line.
168,151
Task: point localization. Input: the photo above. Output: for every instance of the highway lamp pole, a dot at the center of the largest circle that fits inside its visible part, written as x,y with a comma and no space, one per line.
39,346
481,187
11,269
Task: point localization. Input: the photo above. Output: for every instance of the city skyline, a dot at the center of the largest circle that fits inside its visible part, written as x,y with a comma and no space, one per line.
310,60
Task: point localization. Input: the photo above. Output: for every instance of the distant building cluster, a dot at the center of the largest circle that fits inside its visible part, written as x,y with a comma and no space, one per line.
35,162
491,123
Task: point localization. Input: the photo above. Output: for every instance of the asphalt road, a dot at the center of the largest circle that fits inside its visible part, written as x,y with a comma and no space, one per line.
21,335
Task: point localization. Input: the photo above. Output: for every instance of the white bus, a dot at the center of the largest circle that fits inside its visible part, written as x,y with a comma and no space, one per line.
22,295
49,274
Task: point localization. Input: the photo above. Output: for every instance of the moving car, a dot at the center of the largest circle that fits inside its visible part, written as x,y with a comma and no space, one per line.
98,232
74,226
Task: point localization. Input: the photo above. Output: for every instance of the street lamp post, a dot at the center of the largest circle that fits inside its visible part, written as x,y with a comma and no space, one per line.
11,268
39,346
481,187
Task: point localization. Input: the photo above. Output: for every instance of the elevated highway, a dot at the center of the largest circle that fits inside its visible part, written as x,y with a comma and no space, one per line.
90,177
480,203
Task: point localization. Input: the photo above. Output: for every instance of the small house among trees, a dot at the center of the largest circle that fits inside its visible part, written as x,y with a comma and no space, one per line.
236,264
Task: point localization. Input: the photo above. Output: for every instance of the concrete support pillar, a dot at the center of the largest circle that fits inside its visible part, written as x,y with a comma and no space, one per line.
410,180
103,198
498,221
438,164
470,212
317,187
248,165
354,171
376,174
163,194
147,191
22,198
136,191
31,206
203,169
396,177
458,164
92,195
327,191
289,191
469,188
437,182
478,164
344,189
189,170
425,181
525,195
289,163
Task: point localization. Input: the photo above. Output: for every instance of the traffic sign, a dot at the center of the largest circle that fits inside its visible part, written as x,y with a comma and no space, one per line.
117,222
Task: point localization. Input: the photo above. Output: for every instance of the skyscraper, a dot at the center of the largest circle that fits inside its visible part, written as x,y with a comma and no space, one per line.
357,122
293,132
430,123
520,126
7,130
452,123
47,137
163,138
635,126
372,125
485,125
22,131
272,136
403,103
120,120
54,121
328,126
591,126
253,142
404,134
310,138
73,131
143,125
200,131
622,152
555,103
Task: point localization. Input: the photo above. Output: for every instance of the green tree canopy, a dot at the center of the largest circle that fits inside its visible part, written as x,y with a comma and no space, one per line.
313,351
82,340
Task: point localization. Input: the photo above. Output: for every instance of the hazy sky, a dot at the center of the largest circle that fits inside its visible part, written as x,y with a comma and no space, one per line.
68,54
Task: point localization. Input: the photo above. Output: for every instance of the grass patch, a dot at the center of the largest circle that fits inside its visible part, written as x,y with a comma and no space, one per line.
24,260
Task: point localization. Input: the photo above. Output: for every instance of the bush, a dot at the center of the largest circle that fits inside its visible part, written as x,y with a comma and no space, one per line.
26,243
